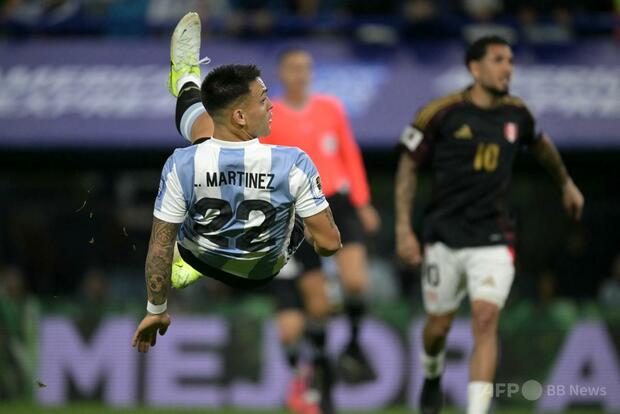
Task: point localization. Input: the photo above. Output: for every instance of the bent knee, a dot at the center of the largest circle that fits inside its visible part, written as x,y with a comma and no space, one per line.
355,284
290,325
485,317
317,307
353,268
315,296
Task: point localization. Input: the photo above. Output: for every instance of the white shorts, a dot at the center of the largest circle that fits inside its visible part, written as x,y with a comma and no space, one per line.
485,273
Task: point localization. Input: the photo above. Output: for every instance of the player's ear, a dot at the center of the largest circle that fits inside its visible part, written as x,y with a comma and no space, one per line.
239,117
474,69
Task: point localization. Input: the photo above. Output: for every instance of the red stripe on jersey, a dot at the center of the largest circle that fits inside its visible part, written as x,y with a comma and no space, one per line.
512,252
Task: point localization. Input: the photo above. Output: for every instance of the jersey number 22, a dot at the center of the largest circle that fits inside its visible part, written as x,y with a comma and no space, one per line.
244,242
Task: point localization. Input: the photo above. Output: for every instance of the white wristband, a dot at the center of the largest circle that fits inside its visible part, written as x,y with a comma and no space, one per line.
156,309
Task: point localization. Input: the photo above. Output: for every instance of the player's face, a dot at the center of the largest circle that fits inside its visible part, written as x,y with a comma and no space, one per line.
296,72
257,108
494,70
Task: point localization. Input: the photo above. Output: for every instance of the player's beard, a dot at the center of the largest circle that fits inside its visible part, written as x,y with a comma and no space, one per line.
495,92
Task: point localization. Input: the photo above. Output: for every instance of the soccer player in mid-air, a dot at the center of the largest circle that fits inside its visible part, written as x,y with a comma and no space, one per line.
232,209
470,140
317,124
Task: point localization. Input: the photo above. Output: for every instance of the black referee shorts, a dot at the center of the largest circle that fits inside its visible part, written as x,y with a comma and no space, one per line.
286,292
346,218
350,231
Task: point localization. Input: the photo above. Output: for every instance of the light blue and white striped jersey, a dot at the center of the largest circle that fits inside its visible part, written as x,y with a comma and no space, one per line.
237,202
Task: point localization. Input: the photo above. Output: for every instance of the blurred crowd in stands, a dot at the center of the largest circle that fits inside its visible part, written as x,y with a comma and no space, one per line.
89,242
377,21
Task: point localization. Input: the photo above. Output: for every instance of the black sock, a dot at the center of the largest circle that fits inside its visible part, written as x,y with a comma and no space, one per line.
315,332
188,96
355,309
323,377
292,354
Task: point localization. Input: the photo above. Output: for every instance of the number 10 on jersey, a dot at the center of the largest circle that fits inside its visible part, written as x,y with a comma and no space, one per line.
486,157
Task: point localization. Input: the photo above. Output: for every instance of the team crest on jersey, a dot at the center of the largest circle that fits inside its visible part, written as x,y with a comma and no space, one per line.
511,131
329,143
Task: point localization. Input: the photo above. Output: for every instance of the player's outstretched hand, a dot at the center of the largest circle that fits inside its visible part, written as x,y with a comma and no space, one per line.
371,222
572,200
408,248
146,334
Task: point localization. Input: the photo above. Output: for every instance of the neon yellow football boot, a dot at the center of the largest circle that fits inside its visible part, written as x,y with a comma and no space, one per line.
185,53
183,274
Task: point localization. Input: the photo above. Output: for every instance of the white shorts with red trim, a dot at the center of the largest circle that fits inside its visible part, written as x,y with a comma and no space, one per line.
485,273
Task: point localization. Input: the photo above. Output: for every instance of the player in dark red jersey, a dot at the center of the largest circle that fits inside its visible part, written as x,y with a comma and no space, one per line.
469,139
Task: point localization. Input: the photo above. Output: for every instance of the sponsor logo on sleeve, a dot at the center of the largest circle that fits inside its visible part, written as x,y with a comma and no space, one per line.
411,137
316,187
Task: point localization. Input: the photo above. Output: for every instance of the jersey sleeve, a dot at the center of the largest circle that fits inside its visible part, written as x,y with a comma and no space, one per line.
305,186
352,158
418,138
530,134
170,204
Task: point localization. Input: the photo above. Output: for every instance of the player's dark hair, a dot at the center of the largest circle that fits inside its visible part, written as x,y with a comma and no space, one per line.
226,84
478,49
289,50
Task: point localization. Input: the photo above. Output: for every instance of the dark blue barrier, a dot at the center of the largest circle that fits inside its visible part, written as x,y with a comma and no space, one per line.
92,93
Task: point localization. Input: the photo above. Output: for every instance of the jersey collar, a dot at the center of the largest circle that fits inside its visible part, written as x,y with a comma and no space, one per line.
235,144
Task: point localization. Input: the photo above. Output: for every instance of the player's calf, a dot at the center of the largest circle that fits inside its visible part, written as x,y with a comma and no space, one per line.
432,360
436,330
431,398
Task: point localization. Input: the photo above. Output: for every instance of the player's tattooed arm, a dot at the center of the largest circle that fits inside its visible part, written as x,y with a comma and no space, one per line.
548,156
404,192
159,260
407,245
330,217
328,249
323,232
